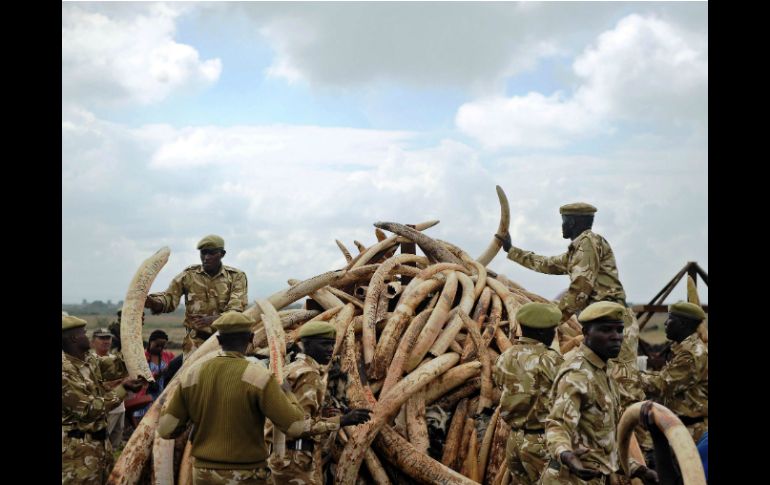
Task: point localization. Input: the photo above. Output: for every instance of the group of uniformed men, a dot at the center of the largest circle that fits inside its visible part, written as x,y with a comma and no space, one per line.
563,410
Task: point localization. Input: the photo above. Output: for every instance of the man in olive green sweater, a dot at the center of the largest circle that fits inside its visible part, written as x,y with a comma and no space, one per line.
228,399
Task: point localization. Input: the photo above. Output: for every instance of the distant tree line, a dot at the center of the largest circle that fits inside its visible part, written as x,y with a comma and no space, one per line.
98,307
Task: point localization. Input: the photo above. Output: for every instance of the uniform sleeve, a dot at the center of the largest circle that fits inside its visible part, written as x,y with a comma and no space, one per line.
239,294
112,367
541,264
170,298
518,391
561,423
283,410
584,267
678,375
174,419
305,389
85,406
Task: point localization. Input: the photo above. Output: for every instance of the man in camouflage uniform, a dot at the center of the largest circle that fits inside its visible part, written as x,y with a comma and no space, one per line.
581,427
228,398
113,370
301,462
209,289
86,452
590,264
682,384
525,373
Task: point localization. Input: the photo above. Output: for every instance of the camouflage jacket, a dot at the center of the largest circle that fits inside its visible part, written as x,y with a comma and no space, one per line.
624,368
525,373
309,387
204,294
683,384
112,365
585,412
590,264
85,401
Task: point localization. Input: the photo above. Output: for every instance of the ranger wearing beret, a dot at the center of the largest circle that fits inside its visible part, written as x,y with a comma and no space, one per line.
210,289
589,261
228,398
683,383
581,427
525,373
301,462
85,401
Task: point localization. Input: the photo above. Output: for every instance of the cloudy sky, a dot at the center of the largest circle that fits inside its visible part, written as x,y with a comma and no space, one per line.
284,126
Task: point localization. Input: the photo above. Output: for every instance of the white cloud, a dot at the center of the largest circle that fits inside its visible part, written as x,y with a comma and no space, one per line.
643,70
119,56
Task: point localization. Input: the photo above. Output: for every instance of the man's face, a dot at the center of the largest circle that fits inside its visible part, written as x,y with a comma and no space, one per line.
101,345
81,339
157,346
320,349
678,329
604,338
211,259
567,227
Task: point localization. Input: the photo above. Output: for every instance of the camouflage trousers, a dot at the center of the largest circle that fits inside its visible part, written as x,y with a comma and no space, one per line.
297,467
563,477
526,456
85,461
223,476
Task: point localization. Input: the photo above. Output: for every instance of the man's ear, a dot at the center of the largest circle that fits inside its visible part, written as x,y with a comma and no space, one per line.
223,253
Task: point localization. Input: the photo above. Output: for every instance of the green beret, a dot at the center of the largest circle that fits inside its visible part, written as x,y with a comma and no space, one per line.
212,241
539,315
603,311
68,322
233,322
687,310
577,209
318,330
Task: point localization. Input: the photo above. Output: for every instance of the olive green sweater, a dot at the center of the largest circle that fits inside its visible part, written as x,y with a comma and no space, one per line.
228,398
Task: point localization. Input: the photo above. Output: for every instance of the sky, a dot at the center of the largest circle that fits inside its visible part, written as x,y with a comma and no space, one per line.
283,126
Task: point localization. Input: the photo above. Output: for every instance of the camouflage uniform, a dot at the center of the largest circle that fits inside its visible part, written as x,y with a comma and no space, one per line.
585,413
113,368
85,403
213,476
683,384
525,373
301,467
590,264
204,295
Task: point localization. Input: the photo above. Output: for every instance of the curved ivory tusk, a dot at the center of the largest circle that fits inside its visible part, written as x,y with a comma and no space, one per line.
446,337
162,461
405,346
185,468
276,341
344,250
373,292
416,426
505,221
361,247
384,410
435,322
485,398
429,246
677,435
452,379
133,309
510,303
379,235
486,443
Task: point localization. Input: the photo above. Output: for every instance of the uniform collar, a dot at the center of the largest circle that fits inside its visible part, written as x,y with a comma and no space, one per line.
201,270
688,342
580,237
591,357
309,360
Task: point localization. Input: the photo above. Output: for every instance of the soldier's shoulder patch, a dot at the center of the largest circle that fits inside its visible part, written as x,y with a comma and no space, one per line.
256,375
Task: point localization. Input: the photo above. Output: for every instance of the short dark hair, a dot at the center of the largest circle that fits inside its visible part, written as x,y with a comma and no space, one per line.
157,334
235,339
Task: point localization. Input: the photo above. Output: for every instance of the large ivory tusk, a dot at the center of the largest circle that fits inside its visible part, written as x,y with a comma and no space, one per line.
185,468
416,426
384,410
451,379
396,368
373,292
344,250
510,303
505,221
677,435
133,309
435,322
276,341
486,443
429,246
162,461
485,399
446,337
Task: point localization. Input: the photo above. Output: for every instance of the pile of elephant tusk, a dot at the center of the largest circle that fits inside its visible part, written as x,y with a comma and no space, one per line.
417,337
